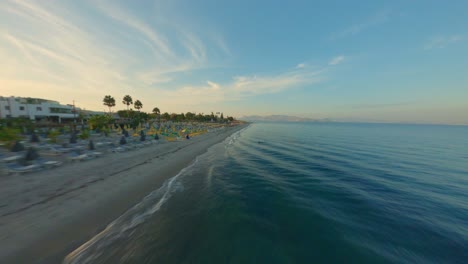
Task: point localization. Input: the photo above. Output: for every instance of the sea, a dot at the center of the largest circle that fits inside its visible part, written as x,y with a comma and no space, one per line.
305,193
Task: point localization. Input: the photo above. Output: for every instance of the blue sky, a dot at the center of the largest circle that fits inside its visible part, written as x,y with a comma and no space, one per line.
382,61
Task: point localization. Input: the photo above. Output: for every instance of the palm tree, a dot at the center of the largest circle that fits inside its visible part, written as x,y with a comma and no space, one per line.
138,105
127,100
158,114
109,101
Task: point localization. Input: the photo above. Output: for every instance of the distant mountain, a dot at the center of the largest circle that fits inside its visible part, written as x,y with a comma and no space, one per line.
280,118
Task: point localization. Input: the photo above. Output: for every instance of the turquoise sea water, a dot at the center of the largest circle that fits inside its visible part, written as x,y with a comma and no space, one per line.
305,193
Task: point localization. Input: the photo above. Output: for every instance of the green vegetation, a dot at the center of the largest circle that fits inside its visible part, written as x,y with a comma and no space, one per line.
84,134
24,124
9,135
52,135
99,121
157,113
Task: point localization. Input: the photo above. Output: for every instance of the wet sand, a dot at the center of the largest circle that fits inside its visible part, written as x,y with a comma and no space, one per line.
46,215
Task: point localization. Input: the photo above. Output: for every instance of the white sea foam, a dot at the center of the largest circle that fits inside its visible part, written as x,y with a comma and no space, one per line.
119,228
233,138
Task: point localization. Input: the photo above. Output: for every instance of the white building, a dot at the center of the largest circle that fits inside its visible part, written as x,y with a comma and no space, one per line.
36,109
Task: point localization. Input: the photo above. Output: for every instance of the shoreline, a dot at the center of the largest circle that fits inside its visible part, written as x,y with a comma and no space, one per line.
59,210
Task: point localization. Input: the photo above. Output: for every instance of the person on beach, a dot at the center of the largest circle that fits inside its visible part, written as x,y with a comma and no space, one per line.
187,136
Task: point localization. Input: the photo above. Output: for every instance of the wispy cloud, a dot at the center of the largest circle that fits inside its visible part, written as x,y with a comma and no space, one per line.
440,42
112,51
158,42
241,87
55,52
336,60
375,20
50,44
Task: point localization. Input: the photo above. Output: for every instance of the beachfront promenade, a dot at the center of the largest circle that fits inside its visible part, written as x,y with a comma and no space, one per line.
47,213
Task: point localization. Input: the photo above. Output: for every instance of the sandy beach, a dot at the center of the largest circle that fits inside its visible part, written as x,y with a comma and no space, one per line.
45,215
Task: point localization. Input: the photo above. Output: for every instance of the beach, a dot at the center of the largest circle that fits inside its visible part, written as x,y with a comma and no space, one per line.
47,214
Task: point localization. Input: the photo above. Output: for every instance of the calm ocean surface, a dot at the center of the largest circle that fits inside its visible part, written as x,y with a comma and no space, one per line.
306,193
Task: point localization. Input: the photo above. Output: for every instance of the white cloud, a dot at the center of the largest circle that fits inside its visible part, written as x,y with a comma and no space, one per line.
55,53
241,87
53,45
336,60
301,65
440,42
54,50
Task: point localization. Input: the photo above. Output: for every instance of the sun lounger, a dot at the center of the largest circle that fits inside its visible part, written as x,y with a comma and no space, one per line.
46,163
94,154
51,163
78,157
119,149
12,158
15,168
60,150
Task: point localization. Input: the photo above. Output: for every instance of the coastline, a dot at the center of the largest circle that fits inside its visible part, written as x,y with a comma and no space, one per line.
47,215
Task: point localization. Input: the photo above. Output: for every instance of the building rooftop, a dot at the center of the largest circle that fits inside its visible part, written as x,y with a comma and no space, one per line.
29,100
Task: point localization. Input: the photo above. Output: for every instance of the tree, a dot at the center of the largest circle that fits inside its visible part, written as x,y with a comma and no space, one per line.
166,116
157,112
200,117
127,100
99,121
138,105
181,117
189,116
109,101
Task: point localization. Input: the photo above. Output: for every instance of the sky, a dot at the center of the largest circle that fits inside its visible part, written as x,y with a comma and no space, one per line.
368,61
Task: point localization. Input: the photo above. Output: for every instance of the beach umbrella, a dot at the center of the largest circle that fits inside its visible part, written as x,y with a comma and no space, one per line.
125,133
31,154
29,157
34,138
91,145
73,138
